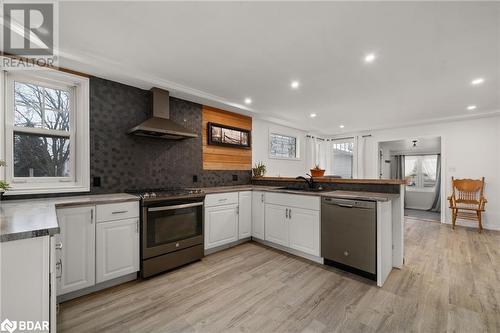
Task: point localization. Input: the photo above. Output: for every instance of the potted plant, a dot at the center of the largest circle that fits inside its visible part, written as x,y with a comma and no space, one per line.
4,186
317,171
259,170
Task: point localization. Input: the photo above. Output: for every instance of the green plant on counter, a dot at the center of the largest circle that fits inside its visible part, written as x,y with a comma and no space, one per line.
4,186
316,167
259,169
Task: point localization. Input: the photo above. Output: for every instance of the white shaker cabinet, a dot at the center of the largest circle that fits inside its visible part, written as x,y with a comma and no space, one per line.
304,230
276,218
117,249
221,225
245,215
258,214
75,249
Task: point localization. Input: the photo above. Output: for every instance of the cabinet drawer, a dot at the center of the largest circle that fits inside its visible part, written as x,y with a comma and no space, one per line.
218,199
117,211
293,200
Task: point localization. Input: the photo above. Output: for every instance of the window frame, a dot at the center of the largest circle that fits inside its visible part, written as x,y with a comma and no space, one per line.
353,153
420,178
297,147
79,178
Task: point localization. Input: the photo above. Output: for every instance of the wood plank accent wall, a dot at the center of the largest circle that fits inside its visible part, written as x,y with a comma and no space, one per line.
225,158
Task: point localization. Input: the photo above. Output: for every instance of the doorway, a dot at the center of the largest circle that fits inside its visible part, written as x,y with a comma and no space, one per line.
418,160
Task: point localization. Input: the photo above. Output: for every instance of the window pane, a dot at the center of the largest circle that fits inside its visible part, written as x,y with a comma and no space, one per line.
283,146
429,169
343,157
41,156
41,107
28,104
56,109
411,169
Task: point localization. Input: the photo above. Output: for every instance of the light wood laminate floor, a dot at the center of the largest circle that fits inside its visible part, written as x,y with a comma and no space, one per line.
450,283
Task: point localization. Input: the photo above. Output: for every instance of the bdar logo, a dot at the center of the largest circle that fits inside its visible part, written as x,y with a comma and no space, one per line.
8,325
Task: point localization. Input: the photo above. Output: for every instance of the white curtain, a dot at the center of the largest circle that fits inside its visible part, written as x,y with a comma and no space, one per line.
359,167
319,151
311,152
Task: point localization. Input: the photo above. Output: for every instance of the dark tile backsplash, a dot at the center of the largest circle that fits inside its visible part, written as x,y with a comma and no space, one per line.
122,161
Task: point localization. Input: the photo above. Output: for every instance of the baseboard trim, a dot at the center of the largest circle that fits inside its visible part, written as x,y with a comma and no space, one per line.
474,224
97,287
297,253
226,246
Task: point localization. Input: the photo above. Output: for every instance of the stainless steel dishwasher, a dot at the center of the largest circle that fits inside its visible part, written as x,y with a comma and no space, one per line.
349,235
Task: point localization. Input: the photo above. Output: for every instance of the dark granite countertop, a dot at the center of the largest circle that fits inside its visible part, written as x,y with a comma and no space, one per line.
355,195
21,219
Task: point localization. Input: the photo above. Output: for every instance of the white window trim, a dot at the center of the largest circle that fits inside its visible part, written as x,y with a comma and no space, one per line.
79,181
297,147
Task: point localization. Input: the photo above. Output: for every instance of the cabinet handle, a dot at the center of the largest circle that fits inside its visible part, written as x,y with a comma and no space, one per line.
237,210
262,197
91,216
137,226
221,200
286,212
290,213
120,212
59,266
59,246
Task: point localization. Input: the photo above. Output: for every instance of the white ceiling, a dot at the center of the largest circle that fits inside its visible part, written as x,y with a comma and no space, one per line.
219,53
424,145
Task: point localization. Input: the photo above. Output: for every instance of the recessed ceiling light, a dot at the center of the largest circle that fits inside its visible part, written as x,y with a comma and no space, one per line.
341,126
477,81
312,115
370,57
248,101
471,107
295,84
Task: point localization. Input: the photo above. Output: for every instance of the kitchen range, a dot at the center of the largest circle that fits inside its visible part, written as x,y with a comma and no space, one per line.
171,228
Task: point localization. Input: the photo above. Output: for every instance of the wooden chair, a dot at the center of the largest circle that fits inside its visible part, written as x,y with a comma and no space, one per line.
467,200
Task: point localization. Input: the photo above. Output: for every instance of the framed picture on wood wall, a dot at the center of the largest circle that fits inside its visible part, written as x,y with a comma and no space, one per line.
223,135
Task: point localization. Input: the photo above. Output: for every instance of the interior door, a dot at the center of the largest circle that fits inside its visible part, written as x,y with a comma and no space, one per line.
75,249
304,227
245,214
117,249
276,224
258,215
221,225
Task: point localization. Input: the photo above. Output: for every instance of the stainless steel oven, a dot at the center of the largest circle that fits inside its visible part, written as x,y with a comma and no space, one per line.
172,233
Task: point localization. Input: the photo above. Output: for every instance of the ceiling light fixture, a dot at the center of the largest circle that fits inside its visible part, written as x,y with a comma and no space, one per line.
295,84
477,81
248,101
341,126
370,57
471,107
312,115
415,143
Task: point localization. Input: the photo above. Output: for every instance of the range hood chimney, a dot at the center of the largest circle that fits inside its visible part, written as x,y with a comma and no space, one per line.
160,125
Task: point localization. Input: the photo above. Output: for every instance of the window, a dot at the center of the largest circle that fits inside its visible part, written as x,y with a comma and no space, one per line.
283,146
46,132
343,152
421,171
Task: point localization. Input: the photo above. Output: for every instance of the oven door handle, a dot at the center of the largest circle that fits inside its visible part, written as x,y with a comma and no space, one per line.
156,209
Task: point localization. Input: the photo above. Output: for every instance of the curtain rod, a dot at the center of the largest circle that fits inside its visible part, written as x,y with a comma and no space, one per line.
334,139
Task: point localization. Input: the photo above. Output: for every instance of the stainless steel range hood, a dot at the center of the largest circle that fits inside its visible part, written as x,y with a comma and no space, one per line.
160,125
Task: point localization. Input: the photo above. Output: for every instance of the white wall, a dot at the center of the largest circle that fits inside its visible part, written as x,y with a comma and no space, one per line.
470,149
260,149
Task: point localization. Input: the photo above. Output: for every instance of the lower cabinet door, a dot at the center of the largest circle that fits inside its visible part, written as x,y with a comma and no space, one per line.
276,224
245,214
304,227
117,249
75,249
221,225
